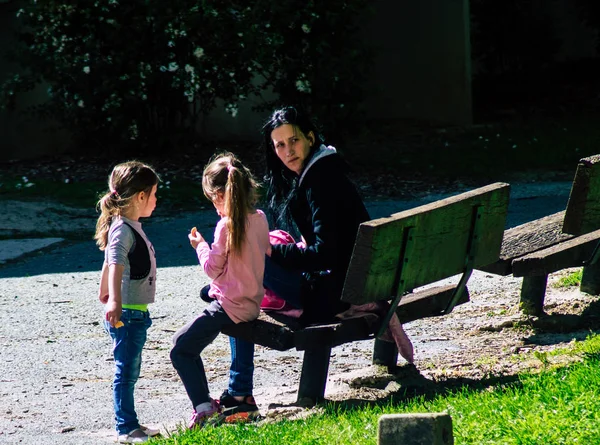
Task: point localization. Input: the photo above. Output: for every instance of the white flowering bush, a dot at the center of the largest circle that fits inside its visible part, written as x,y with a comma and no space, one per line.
143,74
133,73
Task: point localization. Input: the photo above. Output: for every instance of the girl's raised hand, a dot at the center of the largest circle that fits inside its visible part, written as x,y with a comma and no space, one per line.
195,237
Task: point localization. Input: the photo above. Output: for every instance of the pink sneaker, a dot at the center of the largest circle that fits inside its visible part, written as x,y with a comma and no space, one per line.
199,419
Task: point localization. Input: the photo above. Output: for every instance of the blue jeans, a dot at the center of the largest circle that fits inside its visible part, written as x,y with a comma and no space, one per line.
286,284
241,370
189,342
128,342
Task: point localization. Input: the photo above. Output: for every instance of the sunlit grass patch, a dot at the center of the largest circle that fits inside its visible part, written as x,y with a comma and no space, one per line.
559,405
571,280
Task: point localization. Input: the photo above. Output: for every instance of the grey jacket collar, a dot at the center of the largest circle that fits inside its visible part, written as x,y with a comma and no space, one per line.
320,153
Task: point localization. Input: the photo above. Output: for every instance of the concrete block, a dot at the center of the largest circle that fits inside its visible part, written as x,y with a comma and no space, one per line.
415,429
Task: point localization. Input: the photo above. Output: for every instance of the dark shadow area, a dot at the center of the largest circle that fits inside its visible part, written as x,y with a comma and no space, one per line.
413,385
168,236
562,328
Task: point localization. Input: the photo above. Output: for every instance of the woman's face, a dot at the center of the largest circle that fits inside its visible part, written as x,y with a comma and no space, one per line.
292,146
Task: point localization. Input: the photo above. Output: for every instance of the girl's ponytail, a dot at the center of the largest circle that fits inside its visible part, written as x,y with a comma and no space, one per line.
237,206
227,176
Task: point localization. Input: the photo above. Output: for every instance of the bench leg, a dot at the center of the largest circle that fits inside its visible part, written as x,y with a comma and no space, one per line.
385,353
313,379
533,292
590,280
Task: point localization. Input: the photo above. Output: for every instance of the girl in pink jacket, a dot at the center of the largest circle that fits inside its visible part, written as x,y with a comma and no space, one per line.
235,262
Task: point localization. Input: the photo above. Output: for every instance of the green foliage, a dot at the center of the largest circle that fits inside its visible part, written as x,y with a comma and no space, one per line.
144,73
571,280
316,57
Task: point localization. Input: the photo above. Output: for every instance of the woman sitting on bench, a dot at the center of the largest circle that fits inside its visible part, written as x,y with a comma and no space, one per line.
308,187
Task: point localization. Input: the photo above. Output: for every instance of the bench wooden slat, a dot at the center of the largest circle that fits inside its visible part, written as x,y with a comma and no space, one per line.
440,235
264,331
571,253
346,331
527,238
427,303
583,209
281,333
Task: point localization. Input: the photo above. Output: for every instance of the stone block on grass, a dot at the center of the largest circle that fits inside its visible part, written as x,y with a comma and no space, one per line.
415,429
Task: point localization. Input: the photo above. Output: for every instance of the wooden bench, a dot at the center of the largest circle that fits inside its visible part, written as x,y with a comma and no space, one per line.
391,257
565,239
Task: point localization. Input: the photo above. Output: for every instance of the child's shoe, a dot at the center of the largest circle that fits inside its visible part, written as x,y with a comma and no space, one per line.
234,411
135,436
199,419
150,432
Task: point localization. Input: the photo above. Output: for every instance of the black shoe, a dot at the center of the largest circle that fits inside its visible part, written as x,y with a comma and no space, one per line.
204,294
234,411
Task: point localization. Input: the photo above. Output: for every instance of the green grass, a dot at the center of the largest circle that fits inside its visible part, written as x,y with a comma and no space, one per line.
560,405
571,280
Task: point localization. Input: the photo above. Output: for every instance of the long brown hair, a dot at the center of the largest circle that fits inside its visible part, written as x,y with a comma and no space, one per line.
226,176
124,183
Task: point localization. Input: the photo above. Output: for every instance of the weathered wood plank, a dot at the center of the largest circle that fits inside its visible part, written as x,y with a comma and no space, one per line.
346,331
527,238
264,331
281,333
440,236
590,279
427,303
571,253
533,293
583,209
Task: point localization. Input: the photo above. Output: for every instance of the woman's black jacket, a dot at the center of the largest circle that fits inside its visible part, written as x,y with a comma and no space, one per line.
327,210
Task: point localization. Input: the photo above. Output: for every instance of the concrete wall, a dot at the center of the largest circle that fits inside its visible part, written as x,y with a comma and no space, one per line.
23,136
423,68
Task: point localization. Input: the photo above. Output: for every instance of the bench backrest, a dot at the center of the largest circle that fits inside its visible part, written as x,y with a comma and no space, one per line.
583,209
426,244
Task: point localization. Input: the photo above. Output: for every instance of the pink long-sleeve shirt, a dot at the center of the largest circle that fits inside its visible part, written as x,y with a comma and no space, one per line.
237,280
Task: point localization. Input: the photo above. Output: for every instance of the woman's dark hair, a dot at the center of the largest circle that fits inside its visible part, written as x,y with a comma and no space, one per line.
280,180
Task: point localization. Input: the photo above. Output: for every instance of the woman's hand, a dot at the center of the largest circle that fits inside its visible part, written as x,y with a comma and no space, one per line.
195,238
269,250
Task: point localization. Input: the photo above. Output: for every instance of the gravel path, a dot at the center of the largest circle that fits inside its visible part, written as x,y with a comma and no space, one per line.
55,358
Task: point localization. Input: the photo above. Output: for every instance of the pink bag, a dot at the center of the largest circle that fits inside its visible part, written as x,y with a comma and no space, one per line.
272,302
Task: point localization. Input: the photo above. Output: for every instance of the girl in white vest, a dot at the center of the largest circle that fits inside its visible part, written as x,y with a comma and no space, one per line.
127,284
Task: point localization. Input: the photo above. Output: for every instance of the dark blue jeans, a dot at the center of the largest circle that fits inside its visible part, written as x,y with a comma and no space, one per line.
189,342
128,342
241,371
286,284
